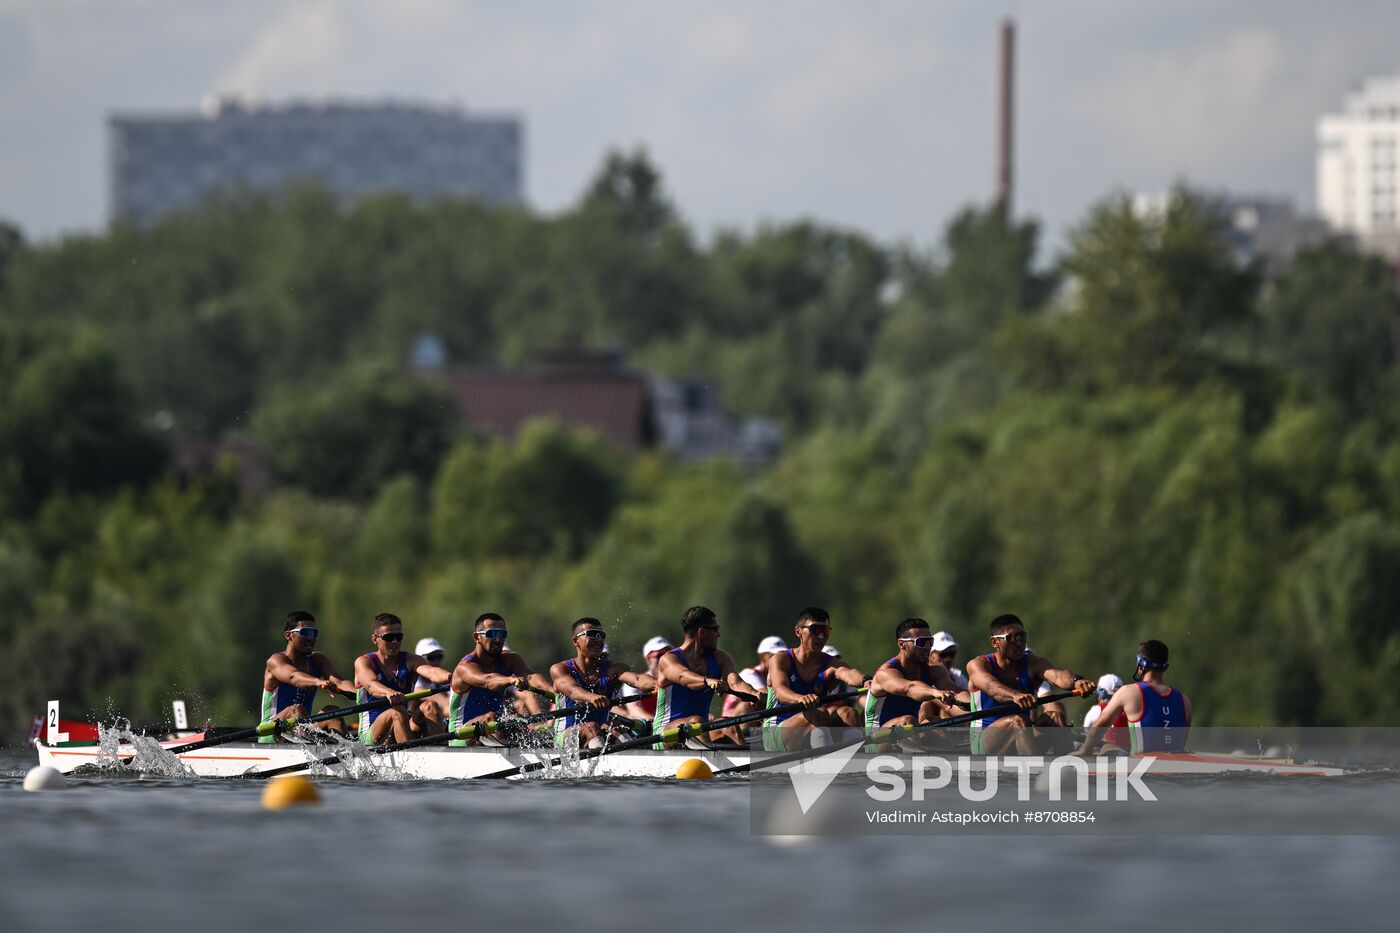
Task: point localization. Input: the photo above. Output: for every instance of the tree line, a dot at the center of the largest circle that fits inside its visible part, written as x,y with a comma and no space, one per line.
1144,437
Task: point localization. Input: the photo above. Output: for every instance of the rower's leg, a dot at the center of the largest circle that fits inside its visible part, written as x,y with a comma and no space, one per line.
848,716
428,719
527,703
392,721
1052,734
1008,735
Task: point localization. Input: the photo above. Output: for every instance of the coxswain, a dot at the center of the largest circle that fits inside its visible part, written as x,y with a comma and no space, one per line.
1158,714
482,678
1010,674
387,674
434,709
589,681
804,675
688,677
292,676
907,689
644,707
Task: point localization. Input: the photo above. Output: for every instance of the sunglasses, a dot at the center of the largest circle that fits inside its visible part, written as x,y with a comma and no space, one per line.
433,658
593,634
304,632
923,641
492,634
818,628
1012,636
390,636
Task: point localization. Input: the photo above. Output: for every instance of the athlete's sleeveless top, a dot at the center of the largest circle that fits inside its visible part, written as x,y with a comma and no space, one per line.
400,681
982,700
1162,726
880,710
477,701
796,684
676,701
274,701
603,685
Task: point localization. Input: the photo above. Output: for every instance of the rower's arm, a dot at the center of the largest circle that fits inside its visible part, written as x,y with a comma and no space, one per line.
892,683
632,678
341,685
979,678
729,674
848,675
429,672
519,668
778,668
286,672
564,683
677,673
1117,705
368,681
1065,680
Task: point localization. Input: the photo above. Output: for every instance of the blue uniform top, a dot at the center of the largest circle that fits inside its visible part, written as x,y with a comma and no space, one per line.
400,681
286,695
602,686
1163,723
880,710
477,701
676,701
1023,682
796,684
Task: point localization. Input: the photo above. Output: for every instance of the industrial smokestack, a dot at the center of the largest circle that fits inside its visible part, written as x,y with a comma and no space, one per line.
1005,115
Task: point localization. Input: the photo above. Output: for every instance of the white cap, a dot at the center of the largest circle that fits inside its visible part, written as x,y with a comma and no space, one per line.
655,643
427,646
1109,683
771,645
942,641
827,649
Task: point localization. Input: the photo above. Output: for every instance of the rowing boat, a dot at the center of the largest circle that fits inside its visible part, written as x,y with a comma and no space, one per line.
441,763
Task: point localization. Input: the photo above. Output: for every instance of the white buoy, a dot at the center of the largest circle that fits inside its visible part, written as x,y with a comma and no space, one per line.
42,777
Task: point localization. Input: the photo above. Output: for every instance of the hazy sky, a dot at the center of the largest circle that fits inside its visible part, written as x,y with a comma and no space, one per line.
876,115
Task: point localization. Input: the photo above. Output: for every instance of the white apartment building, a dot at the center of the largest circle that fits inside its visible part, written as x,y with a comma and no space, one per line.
1358,172
162,163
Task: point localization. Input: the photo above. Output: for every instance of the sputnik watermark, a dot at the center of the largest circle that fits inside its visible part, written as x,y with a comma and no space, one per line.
895,778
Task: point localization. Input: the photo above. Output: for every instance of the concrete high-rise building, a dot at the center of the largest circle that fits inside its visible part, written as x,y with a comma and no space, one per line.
160,164
1358,171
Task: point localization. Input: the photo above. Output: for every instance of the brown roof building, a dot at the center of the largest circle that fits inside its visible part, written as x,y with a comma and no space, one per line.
581,388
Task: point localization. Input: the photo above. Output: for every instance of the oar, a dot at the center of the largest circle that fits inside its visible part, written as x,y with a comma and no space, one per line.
880,736
273,726
677,733
466,732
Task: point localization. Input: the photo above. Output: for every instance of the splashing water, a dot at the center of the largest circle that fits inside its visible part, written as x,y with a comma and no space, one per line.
120,749
334,755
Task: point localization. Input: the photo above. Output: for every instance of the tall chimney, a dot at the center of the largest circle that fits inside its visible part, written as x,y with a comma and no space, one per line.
1006,75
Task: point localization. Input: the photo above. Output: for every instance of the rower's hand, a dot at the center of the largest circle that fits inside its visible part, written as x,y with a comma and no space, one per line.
946,697
520,682
394,697
327,686
714,683
809,700
1083,687
1024,700
597,701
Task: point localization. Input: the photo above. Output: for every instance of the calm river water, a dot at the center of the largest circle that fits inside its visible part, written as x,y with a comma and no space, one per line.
159,853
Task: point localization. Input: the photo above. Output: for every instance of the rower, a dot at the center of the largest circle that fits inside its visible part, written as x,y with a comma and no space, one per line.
644,707
802,675
947,650
688,677
589,680
387,674
434,708
1158,714
756,678
292,676
907,689
482,678
1010,674
1117,733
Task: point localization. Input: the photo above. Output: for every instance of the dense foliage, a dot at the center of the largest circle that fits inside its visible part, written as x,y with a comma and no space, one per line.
1146,440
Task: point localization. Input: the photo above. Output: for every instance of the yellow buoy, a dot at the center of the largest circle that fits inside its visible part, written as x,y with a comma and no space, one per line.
694,769
293,790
